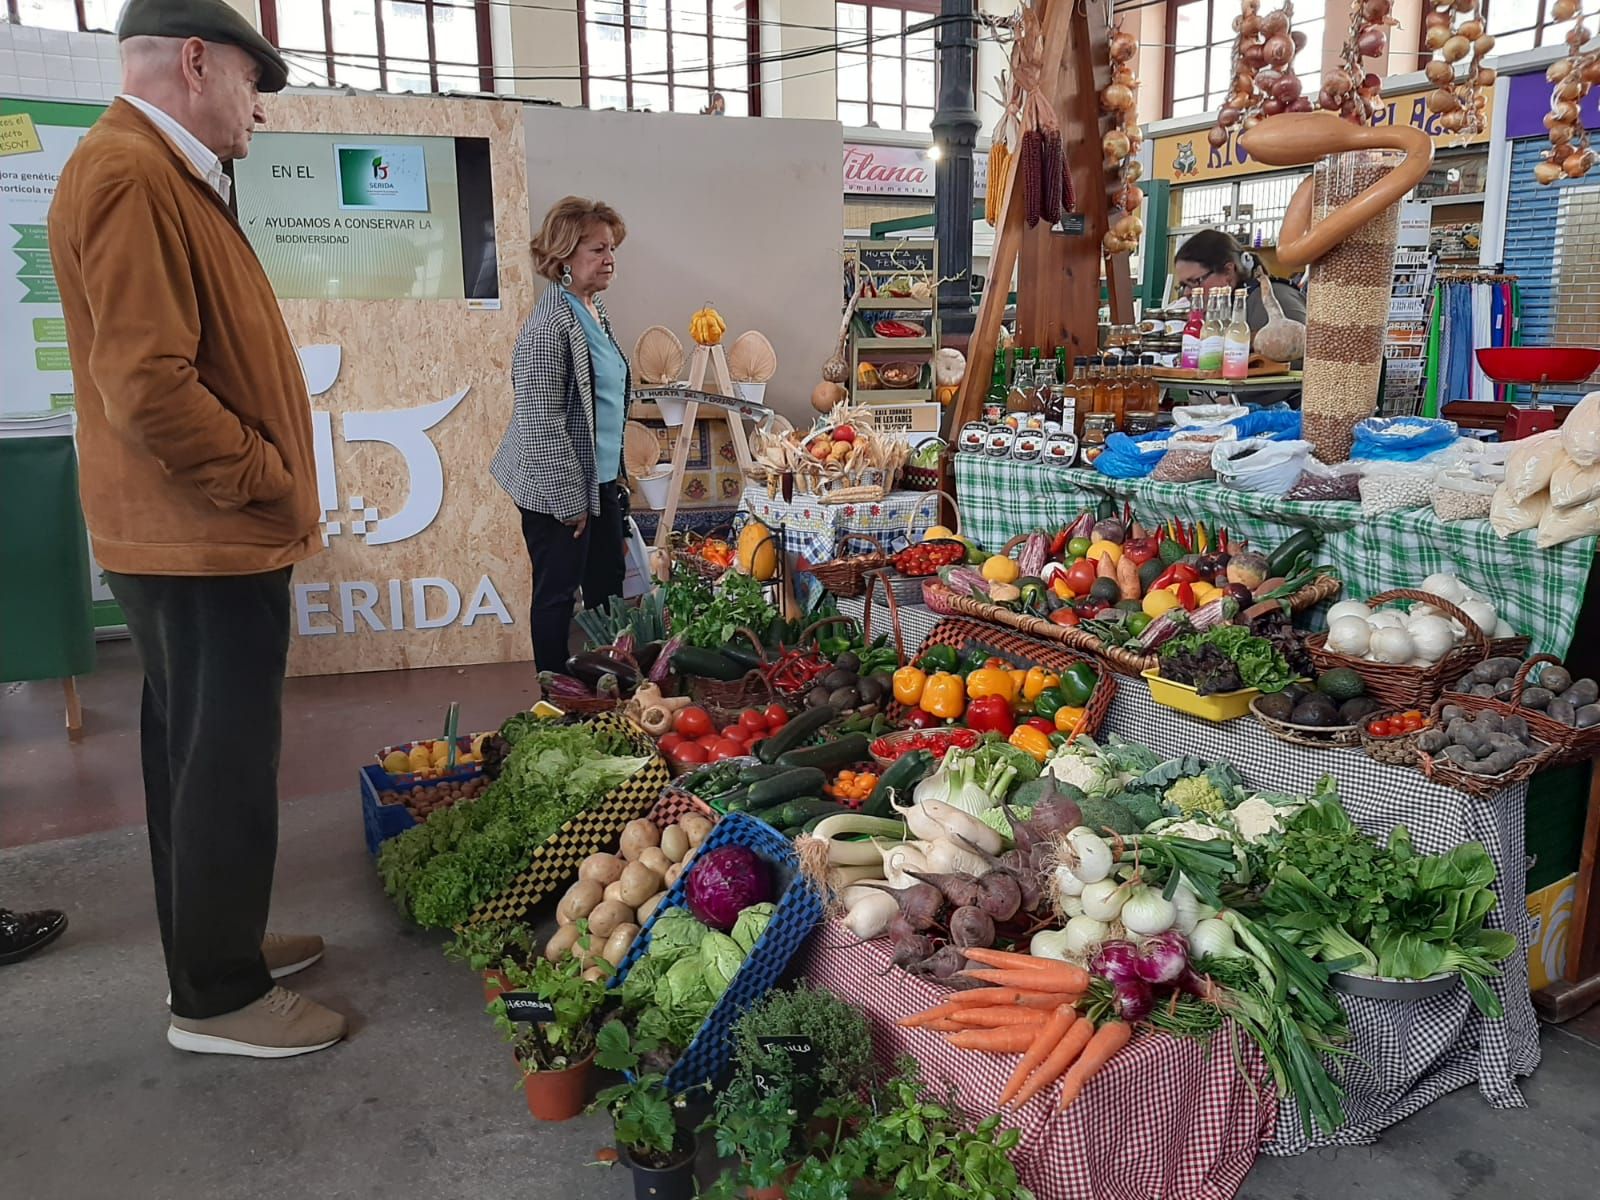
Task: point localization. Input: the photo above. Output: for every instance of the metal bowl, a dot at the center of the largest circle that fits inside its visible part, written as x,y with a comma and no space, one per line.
1376,988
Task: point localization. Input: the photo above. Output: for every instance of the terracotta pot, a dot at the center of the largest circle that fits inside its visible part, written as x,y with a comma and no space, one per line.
673,1182
558,1095
778,1190
493,984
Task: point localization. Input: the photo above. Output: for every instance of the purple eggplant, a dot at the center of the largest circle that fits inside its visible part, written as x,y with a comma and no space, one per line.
594,665
558,687
662,666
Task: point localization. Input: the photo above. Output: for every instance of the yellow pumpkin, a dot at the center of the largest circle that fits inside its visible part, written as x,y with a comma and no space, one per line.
947,393
757,552
825,395
706,327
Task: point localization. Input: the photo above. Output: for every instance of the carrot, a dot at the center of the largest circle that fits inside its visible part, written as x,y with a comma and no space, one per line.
1054,1030
995,1041
945,1025
1062,1057
1064,977
1008,958
974,998
1107,1040
999,1018
1046,1001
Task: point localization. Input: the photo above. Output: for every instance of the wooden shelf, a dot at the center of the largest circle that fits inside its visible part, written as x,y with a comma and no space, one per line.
889,395
893,304
893,345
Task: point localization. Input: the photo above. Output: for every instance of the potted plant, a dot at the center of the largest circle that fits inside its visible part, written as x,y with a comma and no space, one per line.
652,1144
485,948
555,1055
763,1137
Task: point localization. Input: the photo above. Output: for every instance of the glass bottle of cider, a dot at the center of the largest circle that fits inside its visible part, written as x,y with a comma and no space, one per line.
1236,341
1211,334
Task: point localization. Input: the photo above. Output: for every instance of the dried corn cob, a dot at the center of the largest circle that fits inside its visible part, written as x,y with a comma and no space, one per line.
1069,195
1050,206
994,193
1030,164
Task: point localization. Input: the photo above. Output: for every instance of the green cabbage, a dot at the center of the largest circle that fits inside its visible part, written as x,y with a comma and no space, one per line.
675,935
720,958
752,923
685,985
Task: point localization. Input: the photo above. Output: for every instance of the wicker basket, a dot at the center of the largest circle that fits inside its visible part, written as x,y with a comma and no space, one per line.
1568,744
847,577
683,543
919,479
595,706
1396,751
1314,737
1442,770
1397,685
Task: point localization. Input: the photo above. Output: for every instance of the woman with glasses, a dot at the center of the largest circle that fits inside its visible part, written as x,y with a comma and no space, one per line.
1212,259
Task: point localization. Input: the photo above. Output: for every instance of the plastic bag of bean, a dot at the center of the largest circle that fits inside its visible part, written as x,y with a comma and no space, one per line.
1188,457
1458,496
1396,487
1321,482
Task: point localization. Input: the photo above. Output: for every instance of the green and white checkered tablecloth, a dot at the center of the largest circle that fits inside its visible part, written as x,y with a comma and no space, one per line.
1539,592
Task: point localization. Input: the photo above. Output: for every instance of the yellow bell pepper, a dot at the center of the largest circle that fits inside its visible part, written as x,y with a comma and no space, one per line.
941,696
1032,742
1058,585
1037,680
908,685
1018,678
1069,720
991,681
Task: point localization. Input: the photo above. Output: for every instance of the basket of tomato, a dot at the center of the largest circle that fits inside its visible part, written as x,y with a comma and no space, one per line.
696,739
1392,737
937,742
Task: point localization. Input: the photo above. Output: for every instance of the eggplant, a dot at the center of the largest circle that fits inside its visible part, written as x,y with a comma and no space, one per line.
647,654
594,664
557,687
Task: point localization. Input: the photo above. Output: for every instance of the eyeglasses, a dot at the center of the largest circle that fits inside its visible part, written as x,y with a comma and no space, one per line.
1195,281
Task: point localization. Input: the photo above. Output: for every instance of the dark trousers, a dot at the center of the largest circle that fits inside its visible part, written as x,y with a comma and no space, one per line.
214,649
562,564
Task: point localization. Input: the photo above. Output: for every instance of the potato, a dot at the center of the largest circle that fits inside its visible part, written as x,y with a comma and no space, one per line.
561,943
639,883
638,837
674,842
602,868
613,891
607,915
656,859
619,943
695,827
596,975
648,908
579,901
671,877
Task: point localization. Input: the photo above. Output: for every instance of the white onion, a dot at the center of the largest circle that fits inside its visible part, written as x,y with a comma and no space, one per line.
1349,635
1502,629
1212,938
1052,943
1103,900
1482,613
1068,884
1388,619
1146,912
1083,936
1348,608
1091,853
1431,638
1392,645
1444,584
1071,906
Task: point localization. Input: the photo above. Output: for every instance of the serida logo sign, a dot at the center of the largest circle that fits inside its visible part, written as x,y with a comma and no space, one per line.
358,605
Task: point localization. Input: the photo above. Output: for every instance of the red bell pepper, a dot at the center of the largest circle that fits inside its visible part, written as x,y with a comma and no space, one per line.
990,714
921,718
1040,724
1186,596
1176,573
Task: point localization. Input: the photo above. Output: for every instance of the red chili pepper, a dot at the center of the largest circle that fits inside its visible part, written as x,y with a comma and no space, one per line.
1058,544
1186,596
1041,724
1185,539
1162,580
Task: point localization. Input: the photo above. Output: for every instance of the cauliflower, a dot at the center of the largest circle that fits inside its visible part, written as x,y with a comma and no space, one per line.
1258,817
1196,794
1195,830
1080,770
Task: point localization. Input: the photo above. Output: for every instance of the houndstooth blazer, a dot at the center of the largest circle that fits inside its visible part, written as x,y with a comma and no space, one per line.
546,458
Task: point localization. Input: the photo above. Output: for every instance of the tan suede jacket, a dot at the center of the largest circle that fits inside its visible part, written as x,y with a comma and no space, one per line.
194,427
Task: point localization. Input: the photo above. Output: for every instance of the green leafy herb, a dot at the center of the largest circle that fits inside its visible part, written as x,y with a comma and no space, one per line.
703,615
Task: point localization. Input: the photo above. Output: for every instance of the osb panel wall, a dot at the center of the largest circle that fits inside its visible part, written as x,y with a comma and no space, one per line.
405,354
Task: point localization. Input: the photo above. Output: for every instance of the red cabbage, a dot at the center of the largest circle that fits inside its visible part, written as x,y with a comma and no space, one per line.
725,881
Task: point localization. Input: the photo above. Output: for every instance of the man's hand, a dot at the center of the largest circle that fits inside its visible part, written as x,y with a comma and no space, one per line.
579,526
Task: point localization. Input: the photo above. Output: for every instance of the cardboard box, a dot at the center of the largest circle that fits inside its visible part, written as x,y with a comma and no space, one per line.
1550,910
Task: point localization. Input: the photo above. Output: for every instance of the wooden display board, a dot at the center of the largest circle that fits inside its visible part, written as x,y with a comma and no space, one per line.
457,590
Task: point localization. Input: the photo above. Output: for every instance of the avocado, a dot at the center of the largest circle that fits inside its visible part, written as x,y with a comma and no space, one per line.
1341,684
1149,572
838,678
1353,711
1278,706
1315,711
1105,591
1295,693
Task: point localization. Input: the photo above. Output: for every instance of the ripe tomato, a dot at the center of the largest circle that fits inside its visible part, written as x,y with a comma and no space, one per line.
1380,729
1064,616
737,733
753,720
1081,576
1410,723
724,748
776,716
690,752
692,722
669,742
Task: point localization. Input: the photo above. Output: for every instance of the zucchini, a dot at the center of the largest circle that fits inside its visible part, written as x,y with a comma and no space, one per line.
1283,558
708,664
735,801
757,771
744,656
829,756
898,780
798,812
792,831
801,781
794,734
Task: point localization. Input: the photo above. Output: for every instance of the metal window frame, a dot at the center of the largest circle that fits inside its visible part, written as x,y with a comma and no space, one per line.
14,15
485,64
870,50
1541,24
752,74
1171,52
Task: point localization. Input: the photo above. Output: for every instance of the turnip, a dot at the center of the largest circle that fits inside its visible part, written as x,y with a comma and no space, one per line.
971,926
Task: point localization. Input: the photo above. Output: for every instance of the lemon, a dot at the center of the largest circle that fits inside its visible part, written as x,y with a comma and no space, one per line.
1158,603
936,532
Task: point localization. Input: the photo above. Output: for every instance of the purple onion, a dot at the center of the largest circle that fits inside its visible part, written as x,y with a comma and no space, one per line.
1118,962
1194,984
1163,958
1134,1000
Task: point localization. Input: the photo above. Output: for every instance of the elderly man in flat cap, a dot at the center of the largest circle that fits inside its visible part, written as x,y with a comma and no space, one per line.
199,487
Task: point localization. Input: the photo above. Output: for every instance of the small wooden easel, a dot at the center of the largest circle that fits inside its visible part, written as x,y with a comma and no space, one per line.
714,359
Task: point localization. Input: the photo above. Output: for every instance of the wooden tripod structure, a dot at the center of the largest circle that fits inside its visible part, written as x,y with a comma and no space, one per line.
1058,274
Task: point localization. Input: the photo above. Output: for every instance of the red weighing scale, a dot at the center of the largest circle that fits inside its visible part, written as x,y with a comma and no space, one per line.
1533,367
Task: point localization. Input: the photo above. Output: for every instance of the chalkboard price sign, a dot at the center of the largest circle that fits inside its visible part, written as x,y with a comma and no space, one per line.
526,1007
802,1056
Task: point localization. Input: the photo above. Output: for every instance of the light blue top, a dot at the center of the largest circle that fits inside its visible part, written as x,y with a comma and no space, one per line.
610,385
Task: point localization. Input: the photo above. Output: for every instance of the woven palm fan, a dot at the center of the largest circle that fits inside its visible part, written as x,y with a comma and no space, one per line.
658,356
751,358
641,449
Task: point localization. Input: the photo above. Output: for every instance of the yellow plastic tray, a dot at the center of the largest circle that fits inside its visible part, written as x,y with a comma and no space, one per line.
1220,706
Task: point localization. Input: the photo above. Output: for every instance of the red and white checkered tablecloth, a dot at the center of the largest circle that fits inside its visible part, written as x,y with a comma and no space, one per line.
1167,1119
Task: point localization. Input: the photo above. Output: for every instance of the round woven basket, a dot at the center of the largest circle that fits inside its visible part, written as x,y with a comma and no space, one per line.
1396,751
846,577
1314,737
1442,770
1568,744
1397,685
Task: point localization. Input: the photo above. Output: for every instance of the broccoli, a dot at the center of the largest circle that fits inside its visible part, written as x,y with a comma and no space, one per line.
1196,794
1101,813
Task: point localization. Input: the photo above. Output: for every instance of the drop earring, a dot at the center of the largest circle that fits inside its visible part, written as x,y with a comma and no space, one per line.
566,275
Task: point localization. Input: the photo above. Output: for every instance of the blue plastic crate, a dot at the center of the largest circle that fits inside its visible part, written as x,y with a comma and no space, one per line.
798,912
384,821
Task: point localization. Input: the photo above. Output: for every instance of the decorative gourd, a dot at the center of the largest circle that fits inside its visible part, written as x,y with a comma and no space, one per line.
706,327
658,356
1280,339
949,366
751,358
867,378
947,393
757,551
826,394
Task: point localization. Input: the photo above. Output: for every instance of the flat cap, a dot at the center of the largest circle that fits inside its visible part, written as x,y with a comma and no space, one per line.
210,21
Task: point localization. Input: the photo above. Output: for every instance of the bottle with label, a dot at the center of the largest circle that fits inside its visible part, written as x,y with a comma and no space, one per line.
1211,334
1075,398
1189,359
1236,341
1103,385
1017,399
997,381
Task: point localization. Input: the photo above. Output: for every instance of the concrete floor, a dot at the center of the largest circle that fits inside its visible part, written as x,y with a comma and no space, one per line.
422,1101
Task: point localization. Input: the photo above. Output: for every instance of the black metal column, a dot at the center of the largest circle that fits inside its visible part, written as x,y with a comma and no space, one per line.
955,132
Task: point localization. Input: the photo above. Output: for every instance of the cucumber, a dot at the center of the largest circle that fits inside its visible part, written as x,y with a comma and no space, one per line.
792,832
798,812
758,771
708,664
801,781
735,801
794,734
897,781
1283,558
840,752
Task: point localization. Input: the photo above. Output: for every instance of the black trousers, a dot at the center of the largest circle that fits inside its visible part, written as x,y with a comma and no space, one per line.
562,564
214,649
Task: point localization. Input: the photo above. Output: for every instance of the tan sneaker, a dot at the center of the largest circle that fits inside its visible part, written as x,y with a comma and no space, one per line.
279,1025
287,953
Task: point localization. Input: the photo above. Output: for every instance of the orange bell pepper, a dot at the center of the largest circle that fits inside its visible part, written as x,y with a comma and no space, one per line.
991,681
942,696
1031,742
1069,720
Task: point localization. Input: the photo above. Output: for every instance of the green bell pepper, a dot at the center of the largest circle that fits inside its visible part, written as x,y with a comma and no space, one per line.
1047,701
1077,684
939,658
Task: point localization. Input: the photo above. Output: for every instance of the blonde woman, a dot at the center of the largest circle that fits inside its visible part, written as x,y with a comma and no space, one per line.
561,457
